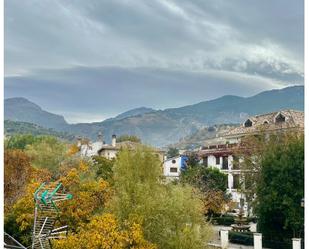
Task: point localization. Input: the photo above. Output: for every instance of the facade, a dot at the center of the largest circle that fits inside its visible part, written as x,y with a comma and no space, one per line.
109,151
221,156
220,152
172,167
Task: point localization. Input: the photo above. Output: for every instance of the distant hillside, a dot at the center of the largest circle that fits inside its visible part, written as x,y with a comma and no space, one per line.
165,127
134,112
21,109
199,137
16,127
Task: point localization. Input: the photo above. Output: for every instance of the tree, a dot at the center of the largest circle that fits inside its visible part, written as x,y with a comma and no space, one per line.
131,138
48,152
103,167
89,198
281,187
73,150
17,174
20,141
210,182
172,152
102,232
170,215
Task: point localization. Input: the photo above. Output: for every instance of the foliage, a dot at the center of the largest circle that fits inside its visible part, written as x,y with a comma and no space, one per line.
130,138
21,216
250,155
20,141
17,173
13,128
104,232
172,152
103,167
243,238
281,187
212,184
48,152
224,220
73,150
89,198
170,215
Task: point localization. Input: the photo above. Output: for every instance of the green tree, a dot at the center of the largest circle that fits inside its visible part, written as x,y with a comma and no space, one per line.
19,141
131,138
103,167
172,152
281,187
48,152
211,183
171,215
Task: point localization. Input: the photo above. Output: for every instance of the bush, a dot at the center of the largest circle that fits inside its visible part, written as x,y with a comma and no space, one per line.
225,220
245,238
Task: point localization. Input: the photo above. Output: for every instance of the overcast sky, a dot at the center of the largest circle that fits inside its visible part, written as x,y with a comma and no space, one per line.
90,60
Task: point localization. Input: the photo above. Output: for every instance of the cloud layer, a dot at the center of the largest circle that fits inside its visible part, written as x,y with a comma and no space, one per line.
191,45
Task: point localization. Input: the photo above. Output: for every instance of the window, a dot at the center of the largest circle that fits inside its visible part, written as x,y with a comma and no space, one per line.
248,123
217,160
236,182
280,118
174,161
225,164
235,162
173,170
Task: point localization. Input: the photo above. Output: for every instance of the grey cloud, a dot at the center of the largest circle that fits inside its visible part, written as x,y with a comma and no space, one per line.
134,51
167,34
110,90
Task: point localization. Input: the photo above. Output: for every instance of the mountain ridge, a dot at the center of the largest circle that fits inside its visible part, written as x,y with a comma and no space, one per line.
162,127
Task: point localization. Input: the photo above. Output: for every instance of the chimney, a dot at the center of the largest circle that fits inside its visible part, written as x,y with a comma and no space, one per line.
114,140
79,141
100,137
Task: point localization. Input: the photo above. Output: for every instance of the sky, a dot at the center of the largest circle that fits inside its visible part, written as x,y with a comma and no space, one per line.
91,60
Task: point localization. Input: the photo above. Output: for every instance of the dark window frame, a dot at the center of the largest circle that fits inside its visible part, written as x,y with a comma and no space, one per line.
173,170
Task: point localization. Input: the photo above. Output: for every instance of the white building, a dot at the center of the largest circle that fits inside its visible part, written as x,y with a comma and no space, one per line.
221,156
109,151
220,152
172,167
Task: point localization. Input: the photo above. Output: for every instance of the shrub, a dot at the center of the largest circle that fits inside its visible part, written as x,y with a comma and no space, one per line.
245,238
223,220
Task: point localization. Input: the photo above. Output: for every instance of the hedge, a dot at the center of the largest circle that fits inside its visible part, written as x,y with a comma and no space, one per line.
223,220
245,238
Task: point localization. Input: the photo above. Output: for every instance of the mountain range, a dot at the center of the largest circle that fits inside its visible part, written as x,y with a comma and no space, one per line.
163,127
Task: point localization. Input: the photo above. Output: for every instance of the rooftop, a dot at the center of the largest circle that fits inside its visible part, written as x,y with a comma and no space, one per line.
285,119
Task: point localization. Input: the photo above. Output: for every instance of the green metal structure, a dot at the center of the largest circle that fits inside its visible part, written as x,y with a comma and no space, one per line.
46,213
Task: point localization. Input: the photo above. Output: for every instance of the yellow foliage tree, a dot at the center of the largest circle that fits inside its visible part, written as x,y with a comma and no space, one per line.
89,198
104,232
73,149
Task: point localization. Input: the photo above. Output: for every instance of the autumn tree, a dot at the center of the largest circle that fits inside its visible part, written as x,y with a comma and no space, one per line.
89,198
103,231
17,174
171,215
73,150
